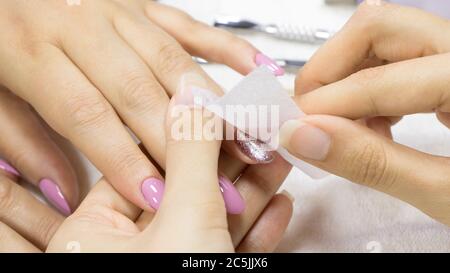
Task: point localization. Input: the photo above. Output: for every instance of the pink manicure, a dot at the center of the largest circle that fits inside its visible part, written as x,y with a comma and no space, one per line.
234,202
8,168
153,190
261,59
54,195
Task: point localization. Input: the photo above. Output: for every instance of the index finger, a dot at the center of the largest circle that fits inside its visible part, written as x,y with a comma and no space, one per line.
377,31
408,87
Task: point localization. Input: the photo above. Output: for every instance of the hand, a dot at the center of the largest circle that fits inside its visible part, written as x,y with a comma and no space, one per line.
29,153
191,218
26,225
387,62
86,69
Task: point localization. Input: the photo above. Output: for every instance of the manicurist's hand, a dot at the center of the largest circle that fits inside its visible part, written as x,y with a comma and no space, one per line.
192,215
387,62
88,69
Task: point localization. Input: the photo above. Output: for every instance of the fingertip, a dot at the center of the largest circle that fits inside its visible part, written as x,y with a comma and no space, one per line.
9,171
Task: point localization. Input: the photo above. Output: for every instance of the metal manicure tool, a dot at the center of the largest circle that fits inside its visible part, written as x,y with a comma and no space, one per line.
303,34
290,66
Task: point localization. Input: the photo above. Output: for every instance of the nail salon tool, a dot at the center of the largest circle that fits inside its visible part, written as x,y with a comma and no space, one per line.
260,89
303,34
290,66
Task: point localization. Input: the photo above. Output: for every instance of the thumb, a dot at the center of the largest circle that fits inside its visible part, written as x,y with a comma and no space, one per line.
352,151
192,193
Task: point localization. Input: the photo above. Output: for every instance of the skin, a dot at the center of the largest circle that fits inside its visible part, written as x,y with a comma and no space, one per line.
33,224
110,217
88,70
192,216
397,65
26,144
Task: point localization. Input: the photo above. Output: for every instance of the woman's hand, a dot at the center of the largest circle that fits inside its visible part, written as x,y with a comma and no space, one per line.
89,68
28,153
387,62
192,216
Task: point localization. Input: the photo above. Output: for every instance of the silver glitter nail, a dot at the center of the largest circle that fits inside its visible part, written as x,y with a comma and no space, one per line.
253,148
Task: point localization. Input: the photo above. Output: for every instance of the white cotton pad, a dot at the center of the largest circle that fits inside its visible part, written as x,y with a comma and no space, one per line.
261,90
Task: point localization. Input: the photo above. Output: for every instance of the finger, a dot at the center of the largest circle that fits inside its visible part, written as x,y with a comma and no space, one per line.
144,220
444,118
354,152
125,81
103,198
380,125
274,221
77,110
202,40
172,66
385,31
385,91
192,192
229,166
23,213
26,144
9,171
12,242
257,185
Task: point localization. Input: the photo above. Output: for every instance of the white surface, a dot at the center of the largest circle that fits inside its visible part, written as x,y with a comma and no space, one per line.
333,214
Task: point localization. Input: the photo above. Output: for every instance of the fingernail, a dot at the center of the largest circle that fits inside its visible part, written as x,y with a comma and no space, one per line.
288,195
261,59
234,203
189,82
253,148
153,189
8,168
305,140
184,96
54,195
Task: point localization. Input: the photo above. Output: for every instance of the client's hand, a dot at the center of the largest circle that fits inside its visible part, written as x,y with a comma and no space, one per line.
88,69
28,153
26,224
192,215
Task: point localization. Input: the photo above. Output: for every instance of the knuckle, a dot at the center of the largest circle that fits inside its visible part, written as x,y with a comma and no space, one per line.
173,58
370,166
370,14
367,81
127,159
140,93
86,111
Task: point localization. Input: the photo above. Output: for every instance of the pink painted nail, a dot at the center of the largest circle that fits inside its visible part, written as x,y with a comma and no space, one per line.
8,168
234,202
153,190
54,195
261,59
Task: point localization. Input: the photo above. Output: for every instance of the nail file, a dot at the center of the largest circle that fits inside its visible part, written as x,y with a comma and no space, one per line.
260,89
